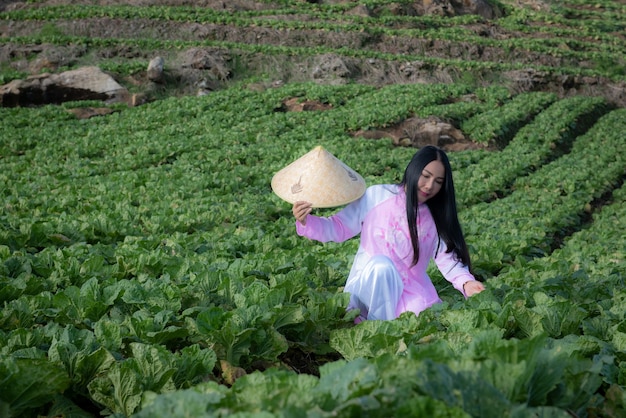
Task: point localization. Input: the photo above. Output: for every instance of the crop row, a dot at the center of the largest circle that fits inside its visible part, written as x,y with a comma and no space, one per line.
566,30
548,203
146,270
154,44
584,279
499,124
93,193
575,296
576,51
333,14
90,159
117,164
550,133
45,173
462,108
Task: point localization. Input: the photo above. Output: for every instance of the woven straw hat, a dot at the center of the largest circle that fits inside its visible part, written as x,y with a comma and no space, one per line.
320,178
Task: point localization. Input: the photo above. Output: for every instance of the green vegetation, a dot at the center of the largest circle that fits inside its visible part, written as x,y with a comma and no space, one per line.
147,269
144,262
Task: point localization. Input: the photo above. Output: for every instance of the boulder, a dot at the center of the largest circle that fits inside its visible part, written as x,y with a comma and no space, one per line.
155,70
456,8
360,10
331,69
213,63
418,132
87,83
474,7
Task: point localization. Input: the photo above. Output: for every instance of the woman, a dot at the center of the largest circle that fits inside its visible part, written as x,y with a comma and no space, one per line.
402,227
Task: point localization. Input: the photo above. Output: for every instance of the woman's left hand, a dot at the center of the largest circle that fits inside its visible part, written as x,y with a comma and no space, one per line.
472,287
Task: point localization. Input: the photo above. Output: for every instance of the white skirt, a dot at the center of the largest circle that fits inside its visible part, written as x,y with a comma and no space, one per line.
377,290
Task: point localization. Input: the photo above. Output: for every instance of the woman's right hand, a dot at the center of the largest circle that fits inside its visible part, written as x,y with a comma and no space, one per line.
301,210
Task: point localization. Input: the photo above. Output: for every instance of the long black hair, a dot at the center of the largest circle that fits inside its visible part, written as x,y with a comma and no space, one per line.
442,205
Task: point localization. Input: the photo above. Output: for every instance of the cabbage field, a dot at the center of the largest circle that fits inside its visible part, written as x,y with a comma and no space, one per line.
147,269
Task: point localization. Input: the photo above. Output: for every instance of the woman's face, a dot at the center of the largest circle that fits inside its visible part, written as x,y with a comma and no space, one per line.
430,181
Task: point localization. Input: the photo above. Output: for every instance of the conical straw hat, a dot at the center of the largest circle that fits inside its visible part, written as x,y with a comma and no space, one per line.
320,178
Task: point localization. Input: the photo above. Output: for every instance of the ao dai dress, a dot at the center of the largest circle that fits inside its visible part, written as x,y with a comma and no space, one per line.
382,282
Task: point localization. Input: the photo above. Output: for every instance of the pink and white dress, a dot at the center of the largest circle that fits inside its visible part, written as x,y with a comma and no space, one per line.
382,282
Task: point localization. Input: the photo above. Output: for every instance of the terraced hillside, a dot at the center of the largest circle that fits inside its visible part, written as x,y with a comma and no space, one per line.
147,269
566,48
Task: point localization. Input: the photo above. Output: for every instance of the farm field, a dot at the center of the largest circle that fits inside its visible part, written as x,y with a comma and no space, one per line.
147,269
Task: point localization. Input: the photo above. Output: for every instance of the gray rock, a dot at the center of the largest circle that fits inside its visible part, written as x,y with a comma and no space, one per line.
155,70
87,83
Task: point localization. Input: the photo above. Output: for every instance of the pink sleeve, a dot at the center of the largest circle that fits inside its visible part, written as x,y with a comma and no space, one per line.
337,228
452,269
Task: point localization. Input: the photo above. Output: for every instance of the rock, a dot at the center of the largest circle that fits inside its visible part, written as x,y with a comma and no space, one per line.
526,79
155,70
87,83
213,62
332,69
418,132
90,79
360,10
456,8
206,87
436,8
42,64
474,7
409,69
397,9
430,131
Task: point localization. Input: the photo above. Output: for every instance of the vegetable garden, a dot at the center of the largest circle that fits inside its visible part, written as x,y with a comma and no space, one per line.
147,269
